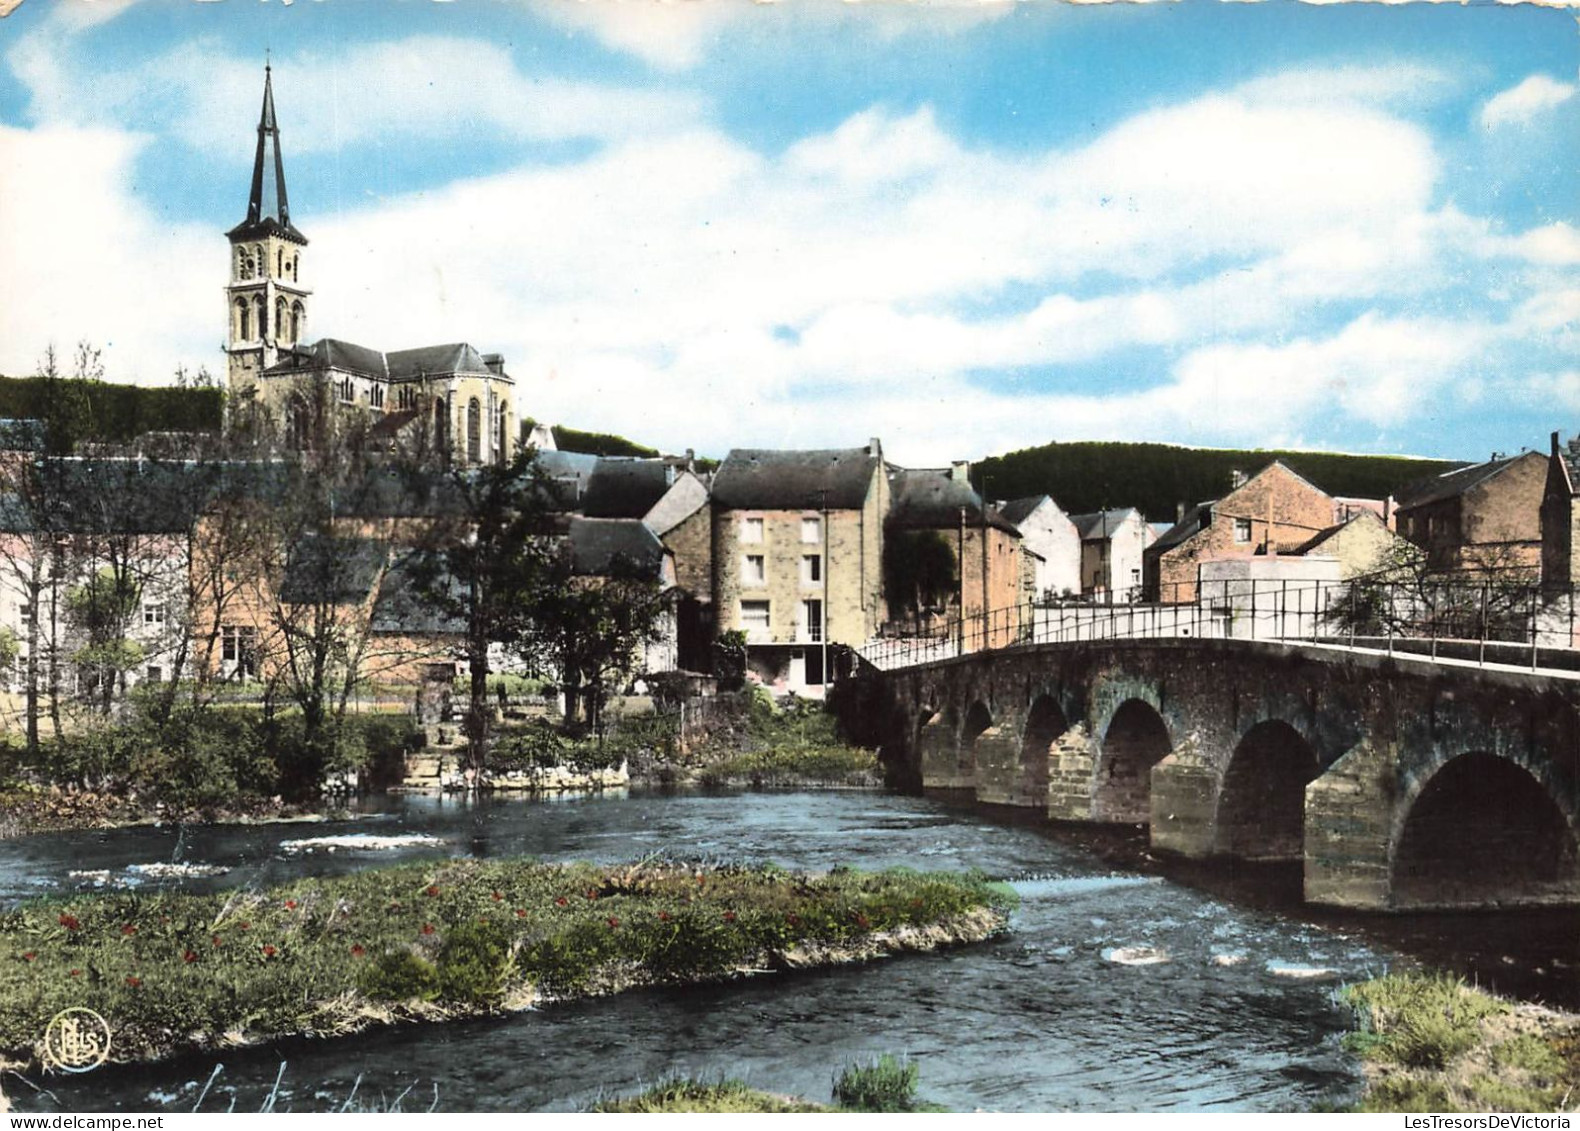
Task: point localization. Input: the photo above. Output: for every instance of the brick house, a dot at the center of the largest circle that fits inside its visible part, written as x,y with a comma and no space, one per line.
1482,518
1274,511
1113,543
939,505
797,551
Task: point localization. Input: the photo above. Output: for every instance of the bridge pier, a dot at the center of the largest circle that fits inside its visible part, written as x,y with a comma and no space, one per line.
1349,823
1070,778
938,750
1184,806
998,769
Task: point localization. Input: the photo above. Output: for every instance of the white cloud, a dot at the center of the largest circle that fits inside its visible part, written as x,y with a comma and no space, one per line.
1523,102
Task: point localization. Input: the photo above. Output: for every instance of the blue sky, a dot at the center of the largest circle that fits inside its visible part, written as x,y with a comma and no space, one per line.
961,227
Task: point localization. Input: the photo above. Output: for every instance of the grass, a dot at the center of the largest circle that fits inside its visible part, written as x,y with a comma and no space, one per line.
1433,1043
823,763
430,941
887,1084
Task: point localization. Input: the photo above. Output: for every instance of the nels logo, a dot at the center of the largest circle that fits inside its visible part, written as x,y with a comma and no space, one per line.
77,1040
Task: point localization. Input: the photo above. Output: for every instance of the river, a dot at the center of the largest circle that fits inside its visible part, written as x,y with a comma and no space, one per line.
1118,987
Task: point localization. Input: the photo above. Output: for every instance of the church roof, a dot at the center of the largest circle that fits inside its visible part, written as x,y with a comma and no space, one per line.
268,210
397,365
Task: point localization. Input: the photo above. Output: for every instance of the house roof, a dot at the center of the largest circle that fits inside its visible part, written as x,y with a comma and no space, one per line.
932,499
595,544
759,479
332,570
626,488
400,608
1188,525
1018,511
1324,536
570,472
130,496
1094,525
1452,483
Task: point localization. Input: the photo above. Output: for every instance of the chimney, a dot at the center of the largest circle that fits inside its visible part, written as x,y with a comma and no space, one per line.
1179,513
495,363
960,471
874,447
1236,479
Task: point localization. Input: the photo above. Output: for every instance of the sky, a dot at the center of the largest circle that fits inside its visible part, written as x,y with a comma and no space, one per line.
961,227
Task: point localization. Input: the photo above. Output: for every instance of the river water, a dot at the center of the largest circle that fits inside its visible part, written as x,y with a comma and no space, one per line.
1117,988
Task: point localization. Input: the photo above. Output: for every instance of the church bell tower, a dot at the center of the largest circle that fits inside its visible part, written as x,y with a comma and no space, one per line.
266,305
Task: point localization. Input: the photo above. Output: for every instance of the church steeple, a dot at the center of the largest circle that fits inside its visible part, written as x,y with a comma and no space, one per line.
268,208
266,304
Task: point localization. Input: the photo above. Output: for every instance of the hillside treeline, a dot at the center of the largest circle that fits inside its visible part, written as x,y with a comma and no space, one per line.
114,413
1090,475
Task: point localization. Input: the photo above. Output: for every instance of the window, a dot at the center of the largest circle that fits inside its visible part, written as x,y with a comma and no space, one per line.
812,530
406,398
298,321
811,569
754,570
440,426
754,620
376,396
812,621
25,611
281,325
239,650
155,675
474,431
502,435
347,390
1242,530
751,530
243,321
154,615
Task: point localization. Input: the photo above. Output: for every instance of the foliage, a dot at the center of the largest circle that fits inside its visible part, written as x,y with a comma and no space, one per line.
885,1084
1421,1020
598,443
727,1096
115,412
1087,476
1404,596
171,969
729,660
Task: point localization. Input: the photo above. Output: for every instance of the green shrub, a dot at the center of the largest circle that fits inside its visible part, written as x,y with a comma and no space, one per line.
473,963
399,975
727,1096
886,1084
1421,1020
1407,1093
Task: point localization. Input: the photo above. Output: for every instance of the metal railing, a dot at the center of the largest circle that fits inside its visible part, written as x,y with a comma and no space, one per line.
1493,622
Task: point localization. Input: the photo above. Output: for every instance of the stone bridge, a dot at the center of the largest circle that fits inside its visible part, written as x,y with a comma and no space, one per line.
1400,782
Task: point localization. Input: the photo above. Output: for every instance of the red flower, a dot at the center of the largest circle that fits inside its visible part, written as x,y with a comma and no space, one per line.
701,880
269,951
792,918
133,980
216,940
862,921
290,905
128,929
663,916
499,897
592,893
358,950
562,902
427,928
395,905
29,956
432,889
729,916
190,956
246,926
613,922
70,922
521,913
75,973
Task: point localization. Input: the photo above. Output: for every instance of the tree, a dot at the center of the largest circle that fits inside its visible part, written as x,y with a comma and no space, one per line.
101,610
919,569
596,628
1490,597
481,564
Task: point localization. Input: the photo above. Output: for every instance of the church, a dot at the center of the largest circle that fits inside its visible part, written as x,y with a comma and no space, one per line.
449,399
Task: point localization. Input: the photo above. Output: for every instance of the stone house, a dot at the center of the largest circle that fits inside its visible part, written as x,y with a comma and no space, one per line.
1112,545
1274,511
1486,518
1361,544
797,551
1051,542
938,506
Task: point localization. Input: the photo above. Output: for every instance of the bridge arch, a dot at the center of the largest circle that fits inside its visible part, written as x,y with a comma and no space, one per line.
1262,801
1483,830
977,721
1135,740
1045,722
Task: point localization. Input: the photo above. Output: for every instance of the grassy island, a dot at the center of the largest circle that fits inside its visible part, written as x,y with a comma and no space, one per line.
1431,1043
173,972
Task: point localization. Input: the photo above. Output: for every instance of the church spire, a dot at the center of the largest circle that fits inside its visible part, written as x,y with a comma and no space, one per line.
268,209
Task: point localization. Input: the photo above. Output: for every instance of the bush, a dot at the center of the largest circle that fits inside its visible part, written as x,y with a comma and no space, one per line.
1421,1020
399,975
729,660
474,963
886,1084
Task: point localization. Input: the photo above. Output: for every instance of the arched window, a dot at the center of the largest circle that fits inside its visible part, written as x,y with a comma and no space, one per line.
474,431
501,434
259,260
243,321
281,324
439,438
376,396
298,321
293,268
259,309
243,264
297,419
279,262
